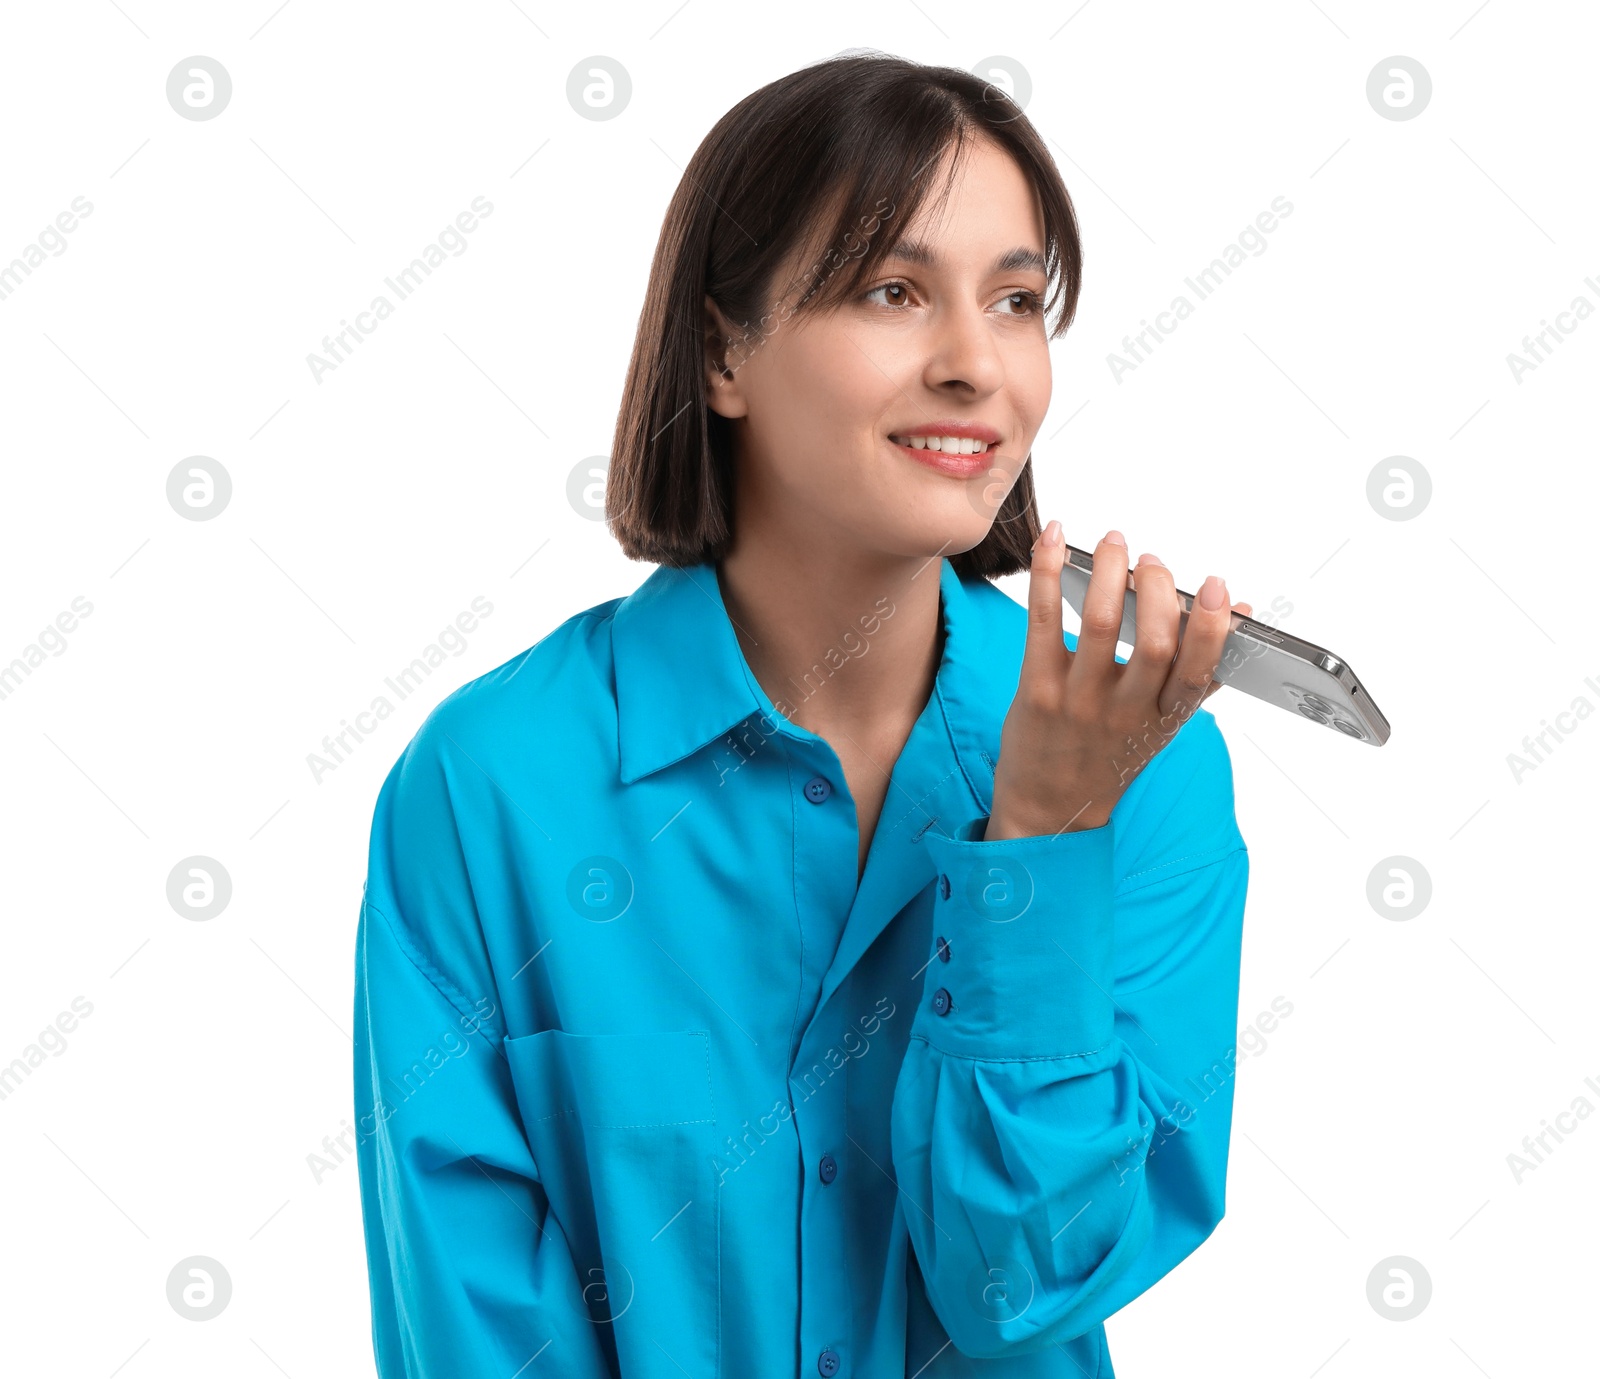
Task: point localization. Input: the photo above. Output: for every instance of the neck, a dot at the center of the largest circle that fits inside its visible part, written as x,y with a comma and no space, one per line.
850,641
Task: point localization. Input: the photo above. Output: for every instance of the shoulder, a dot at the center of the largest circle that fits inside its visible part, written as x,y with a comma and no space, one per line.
488,754
556,672
563,677
1178,814
499,737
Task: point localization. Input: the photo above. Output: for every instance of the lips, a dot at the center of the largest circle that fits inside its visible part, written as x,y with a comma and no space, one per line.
955,464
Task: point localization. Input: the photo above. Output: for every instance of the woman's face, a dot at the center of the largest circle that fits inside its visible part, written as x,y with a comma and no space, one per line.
950,331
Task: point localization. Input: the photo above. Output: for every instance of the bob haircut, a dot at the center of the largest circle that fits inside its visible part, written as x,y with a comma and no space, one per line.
827,155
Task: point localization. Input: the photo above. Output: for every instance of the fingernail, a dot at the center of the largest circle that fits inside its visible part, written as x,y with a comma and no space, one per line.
1115,537
1052,533
1211,594
1148,559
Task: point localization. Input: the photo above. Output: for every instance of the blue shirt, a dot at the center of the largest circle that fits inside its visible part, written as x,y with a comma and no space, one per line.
648,1085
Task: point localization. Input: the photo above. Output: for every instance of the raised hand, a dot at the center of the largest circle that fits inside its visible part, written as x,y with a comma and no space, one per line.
1081,726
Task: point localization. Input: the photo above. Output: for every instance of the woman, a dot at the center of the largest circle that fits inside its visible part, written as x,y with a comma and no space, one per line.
847,958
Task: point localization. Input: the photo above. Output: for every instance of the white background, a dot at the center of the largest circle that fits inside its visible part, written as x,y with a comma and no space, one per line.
369,509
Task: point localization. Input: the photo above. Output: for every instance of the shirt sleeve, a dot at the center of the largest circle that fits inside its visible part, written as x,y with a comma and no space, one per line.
469,1272
1061,1120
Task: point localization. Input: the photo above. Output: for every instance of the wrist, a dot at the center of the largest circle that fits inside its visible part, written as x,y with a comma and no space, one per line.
1005,824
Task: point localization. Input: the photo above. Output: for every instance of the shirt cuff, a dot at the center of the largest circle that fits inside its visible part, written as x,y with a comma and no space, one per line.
1021,964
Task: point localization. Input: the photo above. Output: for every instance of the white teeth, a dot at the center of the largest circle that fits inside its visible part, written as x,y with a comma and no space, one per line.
949,445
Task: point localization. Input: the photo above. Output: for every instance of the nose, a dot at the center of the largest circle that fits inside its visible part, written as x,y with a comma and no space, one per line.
962,353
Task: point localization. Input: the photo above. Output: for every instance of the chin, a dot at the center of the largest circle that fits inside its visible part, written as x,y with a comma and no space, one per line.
950,535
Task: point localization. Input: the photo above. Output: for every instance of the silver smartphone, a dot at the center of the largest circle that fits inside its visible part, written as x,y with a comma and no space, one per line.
1263,662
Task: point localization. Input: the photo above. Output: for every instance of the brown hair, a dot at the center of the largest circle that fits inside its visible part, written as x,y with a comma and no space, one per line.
836,139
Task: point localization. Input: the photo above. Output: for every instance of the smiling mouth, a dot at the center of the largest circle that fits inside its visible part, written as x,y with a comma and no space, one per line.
948,445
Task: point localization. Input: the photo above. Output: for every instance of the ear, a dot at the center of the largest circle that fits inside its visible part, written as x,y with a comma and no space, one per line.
724,394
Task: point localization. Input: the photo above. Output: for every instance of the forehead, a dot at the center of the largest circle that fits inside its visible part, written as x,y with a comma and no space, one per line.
983,197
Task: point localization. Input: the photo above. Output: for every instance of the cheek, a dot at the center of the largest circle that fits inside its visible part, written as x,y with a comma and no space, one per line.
836,394
848,387
818,386
1029,379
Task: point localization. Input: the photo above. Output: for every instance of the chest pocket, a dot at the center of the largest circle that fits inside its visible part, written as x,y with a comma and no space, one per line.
623,1129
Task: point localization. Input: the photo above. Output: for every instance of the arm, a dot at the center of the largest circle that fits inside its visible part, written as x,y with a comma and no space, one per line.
1061,1133
469,1273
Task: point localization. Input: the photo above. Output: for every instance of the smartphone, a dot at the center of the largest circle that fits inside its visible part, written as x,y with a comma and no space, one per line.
1263,662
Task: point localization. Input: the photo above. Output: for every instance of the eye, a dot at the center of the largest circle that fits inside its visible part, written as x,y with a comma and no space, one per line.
1032,302
900,287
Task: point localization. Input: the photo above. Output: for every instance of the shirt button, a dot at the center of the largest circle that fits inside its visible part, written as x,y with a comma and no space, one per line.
817,790
944,948
828,1362
941,1002
944,886
827,1168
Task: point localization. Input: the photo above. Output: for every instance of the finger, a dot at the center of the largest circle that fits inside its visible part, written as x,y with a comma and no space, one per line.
1193,672
1045,657
1156,633
1246,610
1096,658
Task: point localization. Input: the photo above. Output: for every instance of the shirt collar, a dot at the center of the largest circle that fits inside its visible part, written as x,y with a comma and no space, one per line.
682,680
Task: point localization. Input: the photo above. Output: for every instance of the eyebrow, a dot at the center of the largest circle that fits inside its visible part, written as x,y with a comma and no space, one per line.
1015,260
